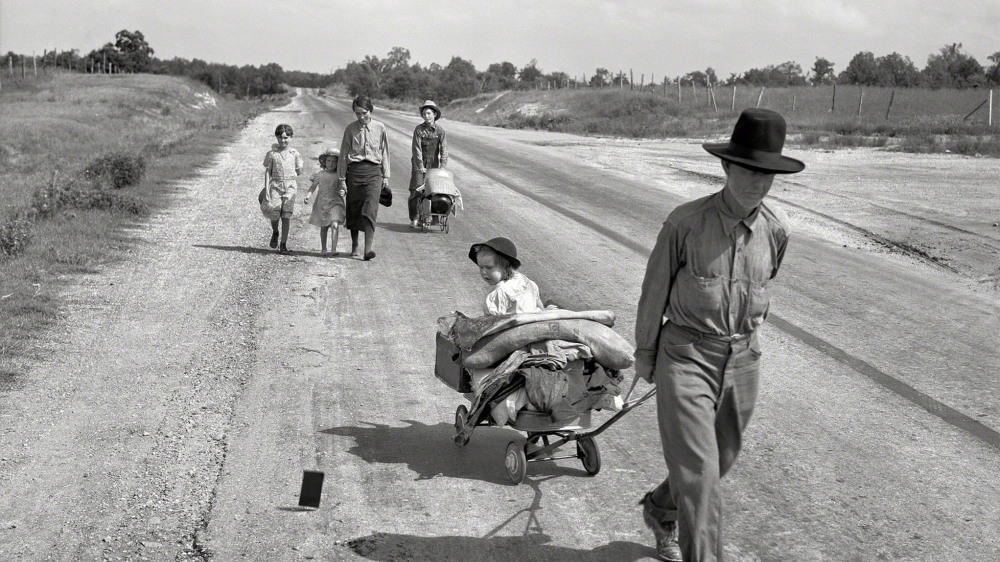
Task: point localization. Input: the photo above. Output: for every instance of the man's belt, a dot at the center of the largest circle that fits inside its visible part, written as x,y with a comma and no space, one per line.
732,338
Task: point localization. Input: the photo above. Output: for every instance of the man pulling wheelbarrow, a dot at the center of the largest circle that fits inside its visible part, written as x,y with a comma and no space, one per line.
704,295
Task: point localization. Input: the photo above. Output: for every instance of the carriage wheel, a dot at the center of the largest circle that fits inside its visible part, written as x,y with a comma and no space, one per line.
515,462
446,225
589,455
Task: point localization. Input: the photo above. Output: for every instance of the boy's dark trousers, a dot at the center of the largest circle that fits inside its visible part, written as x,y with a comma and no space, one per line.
413,202
706,390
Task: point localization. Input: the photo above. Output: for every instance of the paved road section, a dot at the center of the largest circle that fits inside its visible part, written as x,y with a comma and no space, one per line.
180,405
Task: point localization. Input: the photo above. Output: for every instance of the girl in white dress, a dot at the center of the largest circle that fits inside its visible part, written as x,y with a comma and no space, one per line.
328,211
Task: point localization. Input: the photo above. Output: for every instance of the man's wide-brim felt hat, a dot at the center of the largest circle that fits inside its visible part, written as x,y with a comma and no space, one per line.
432,105
499,245
758,137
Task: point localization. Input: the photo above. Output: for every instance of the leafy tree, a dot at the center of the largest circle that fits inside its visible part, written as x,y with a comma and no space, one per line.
896,70
458,80
993,72
862,70
619,80
500,76
558,79
822,72
951,68
600,79
530,74
134,52
398,59
697,77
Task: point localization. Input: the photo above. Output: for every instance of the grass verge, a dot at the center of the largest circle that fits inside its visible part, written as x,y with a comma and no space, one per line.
911,119
82,157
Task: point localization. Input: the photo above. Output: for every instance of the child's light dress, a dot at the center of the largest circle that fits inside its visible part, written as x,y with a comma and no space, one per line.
515,295
329,207
284,166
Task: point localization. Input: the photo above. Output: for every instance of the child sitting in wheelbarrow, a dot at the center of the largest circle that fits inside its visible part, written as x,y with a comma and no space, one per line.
512,291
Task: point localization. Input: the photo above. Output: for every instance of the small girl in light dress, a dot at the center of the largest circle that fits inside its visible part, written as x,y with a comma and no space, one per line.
329,210
282,165
512,291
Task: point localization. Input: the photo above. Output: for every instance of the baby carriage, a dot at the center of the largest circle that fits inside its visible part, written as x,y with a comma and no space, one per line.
440,200
545,434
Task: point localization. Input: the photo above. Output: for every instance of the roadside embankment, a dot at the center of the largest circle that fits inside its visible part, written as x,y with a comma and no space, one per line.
81,157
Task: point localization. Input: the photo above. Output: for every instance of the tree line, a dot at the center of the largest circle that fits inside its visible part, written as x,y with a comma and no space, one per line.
395,77
131,53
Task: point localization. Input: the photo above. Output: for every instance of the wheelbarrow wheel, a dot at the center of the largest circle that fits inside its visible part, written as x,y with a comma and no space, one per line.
460,416
589,455
515,462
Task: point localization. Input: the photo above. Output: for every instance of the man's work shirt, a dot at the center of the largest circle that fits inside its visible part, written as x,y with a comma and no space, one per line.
709,271
364,142
429,147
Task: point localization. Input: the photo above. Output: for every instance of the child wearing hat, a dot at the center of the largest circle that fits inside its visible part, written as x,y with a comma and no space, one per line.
513,292
329,211
429,150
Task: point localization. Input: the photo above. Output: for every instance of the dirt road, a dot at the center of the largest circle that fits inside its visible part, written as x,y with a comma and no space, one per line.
186,390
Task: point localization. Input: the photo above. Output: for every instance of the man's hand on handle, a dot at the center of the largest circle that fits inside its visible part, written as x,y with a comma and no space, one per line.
644,368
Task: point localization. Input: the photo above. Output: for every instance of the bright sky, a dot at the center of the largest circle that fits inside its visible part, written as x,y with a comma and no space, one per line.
574,36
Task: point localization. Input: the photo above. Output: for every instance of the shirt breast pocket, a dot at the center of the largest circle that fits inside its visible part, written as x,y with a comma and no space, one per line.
704,294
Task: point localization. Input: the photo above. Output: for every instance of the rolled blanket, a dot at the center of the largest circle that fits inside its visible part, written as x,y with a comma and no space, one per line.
465,331
609,349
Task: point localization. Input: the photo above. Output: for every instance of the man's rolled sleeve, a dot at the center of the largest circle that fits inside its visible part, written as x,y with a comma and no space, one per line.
384,145
660,270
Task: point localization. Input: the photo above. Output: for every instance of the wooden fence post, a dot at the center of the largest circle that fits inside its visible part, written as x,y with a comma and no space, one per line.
759,96
892,96
733,106
861,99
45,55
833,102
678,89
990,120
22,66
631,80
793,101
694,91
34,64
711,92
642,81
10,65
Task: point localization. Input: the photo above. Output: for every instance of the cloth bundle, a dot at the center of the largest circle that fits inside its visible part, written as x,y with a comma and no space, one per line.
568,360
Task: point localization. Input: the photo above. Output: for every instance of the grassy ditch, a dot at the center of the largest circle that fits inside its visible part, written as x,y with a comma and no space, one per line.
81,157
913,120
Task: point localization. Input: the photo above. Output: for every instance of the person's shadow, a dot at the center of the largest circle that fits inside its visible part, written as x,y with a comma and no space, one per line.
396,227
268,251
531,546
430,451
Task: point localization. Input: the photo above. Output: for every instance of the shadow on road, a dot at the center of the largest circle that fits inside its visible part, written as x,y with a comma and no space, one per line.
429,451
268,251
534,546
395,227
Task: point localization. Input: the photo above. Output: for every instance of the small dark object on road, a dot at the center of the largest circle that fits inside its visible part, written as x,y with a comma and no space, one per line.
312,488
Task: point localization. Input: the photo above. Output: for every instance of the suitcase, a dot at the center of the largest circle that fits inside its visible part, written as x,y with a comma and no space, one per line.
447,366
